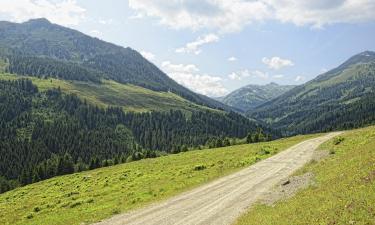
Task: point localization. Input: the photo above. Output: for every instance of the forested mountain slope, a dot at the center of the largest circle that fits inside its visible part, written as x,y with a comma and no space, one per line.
49,133
70,102
339,99
251,96
43,49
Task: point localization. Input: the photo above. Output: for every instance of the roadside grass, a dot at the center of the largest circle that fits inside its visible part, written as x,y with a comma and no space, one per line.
110,93
97,194
344,189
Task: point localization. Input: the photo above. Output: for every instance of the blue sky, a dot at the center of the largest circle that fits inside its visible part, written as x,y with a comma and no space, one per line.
216,46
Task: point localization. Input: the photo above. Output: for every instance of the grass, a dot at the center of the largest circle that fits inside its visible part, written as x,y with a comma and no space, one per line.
94,195
344,189
110,93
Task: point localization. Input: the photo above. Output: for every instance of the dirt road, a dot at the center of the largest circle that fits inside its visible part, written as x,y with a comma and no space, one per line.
223,200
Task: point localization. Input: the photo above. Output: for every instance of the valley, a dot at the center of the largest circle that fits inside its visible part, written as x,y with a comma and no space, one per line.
92,132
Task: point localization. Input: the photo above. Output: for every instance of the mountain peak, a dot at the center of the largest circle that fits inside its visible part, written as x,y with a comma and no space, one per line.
367,54
363,57
38,22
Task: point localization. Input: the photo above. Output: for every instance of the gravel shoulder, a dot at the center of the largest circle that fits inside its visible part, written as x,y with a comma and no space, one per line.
223,200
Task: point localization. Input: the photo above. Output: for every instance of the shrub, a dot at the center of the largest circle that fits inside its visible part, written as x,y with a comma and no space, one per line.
75,204
338,140
265,150
199,167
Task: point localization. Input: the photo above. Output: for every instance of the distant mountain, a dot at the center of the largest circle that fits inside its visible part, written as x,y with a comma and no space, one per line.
34,46
251,96
338,99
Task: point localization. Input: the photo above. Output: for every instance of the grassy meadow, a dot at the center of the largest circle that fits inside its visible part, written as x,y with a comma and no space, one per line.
343,190
97,194
110,93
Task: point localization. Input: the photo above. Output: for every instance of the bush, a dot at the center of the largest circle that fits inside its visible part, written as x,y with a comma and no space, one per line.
199,167
338,140
265,150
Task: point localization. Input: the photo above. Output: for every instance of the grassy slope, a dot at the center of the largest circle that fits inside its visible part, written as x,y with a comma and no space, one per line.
94,195
130,97
344,192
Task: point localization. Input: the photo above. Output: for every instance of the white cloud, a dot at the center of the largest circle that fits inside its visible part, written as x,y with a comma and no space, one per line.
222,15
323,70
96,33
230,16
277,63
278,76
148,55
106,21
299,78
232,59
248,74
190,77
65,12
194,47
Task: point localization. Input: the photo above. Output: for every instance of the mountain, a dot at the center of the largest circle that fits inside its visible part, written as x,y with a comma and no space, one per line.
338,99
251,96
40,48
69,102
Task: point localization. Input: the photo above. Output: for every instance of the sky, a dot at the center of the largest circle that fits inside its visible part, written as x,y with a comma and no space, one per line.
216,46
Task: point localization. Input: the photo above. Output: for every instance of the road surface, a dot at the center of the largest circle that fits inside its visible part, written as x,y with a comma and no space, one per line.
223,200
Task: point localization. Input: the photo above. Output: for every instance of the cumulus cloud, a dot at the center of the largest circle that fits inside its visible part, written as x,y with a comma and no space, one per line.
194,47
105,21
223,15
299,78
278,76
64,12
232,59
148,55
230,16
190,77
239,75
277,63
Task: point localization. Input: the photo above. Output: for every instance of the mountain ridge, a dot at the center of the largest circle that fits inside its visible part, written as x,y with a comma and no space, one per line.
252,95
41,39
338,99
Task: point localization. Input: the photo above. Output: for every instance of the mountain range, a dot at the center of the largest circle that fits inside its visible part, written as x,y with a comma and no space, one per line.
252,96
71,102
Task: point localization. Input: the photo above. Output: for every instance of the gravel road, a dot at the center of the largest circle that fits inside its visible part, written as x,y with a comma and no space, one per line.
220,202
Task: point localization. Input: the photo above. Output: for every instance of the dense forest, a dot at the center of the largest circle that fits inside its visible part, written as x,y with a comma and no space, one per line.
44,134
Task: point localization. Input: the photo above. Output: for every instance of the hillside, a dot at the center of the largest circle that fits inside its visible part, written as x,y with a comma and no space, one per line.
40,48
339,99
130,97
93,195
46,131
251,96
342,191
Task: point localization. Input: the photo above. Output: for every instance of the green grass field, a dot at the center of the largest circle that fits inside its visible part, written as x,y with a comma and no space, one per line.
110,93
97,194
344,189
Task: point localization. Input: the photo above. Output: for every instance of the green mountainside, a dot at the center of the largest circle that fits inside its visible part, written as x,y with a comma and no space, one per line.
130,97
40,48
251,96
48,133
70,102
342,98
